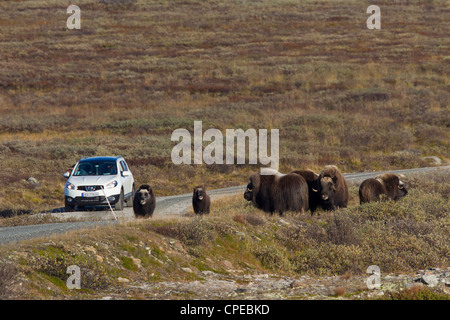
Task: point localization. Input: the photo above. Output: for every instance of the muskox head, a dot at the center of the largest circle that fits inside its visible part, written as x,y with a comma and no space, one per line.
248,194
333,188
143,195
393,182
199,193
394,186
327,187
314,186
402,189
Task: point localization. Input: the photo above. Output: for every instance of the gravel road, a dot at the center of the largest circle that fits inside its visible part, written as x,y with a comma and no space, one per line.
166,207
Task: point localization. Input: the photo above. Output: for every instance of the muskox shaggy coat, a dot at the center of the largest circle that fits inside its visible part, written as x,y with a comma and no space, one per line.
278,192
201,201
144,202
312,179
387,185
333,188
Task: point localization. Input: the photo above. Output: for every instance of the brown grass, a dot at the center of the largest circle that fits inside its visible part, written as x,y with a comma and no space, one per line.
339,291
416,292
121,85
8,275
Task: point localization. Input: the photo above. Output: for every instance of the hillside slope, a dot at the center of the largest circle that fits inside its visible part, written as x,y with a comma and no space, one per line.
137,70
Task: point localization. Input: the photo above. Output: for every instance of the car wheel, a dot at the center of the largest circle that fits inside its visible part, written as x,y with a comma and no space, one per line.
119,205
68,208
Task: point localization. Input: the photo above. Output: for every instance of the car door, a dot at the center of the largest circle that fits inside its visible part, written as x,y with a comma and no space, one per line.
127,179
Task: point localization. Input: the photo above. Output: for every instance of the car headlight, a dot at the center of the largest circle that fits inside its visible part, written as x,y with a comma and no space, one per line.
112,184
70,186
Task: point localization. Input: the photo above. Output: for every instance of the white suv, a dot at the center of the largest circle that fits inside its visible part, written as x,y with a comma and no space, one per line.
94,180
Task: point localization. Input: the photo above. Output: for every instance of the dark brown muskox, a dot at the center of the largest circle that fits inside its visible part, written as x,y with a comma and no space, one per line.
278,192
200,200
333,188
144,202
312,179
388,185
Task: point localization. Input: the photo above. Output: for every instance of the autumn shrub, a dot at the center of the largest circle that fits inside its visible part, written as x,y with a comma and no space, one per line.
53,262
8,274
254,219
194,232
272,257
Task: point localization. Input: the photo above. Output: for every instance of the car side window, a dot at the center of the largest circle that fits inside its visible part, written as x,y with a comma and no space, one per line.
123,165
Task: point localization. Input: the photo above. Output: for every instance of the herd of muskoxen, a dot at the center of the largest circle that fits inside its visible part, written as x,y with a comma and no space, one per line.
297,191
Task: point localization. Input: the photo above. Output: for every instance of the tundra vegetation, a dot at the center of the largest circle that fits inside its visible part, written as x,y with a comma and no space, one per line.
137,70
400,237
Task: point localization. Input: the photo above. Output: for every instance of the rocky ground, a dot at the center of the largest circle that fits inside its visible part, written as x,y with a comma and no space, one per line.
231,284
236,285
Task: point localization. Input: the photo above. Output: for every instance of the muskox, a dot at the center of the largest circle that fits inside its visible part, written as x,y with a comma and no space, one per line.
276,192
312,179
200,200
333,188
387,185
144,202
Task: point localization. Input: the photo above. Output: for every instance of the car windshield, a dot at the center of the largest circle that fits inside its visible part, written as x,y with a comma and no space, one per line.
95,168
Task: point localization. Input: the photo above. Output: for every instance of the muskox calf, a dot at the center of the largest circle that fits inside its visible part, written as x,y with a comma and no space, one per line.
312,179
144,202
333,188
386,185
200,200
278,192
